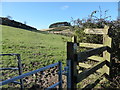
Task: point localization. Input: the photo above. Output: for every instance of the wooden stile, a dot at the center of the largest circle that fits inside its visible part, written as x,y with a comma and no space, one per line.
104,63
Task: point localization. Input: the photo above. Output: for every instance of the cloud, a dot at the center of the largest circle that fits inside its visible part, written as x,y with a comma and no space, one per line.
65,7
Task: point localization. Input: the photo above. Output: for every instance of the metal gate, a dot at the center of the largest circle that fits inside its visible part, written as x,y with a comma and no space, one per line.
20,77
19,68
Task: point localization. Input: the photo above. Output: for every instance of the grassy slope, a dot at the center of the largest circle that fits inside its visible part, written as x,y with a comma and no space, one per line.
42,49
34,48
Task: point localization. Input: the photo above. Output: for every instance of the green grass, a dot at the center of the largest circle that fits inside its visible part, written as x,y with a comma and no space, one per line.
34,47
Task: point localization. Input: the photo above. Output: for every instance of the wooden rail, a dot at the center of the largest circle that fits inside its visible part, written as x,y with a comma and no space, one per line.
96,58
86,73
91,45
84,55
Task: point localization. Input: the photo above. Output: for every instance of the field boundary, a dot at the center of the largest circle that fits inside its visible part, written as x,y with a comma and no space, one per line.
74,57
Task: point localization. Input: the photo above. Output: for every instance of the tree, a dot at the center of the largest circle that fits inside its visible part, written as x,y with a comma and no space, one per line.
58,24
25,22
9,17
98,22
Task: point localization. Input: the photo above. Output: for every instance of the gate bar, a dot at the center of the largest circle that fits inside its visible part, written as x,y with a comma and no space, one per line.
60,75
27,74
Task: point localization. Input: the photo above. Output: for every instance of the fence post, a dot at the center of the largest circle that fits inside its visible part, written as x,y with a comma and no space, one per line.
107,55
72,64
20,70
74,40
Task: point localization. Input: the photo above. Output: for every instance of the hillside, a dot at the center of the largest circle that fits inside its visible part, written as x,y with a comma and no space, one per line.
36,49
62,30
13,23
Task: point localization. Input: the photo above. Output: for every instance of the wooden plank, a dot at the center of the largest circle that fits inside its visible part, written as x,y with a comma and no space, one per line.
84,55
102,72
97,30
94,31
103,69
79,71
99,70
95,82
90,45
107,41
96,58
71,57
86,73
74,39
84,65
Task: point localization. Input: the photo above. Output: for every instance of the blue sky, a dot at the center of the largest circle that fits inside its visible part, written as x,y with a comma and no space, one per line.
42,14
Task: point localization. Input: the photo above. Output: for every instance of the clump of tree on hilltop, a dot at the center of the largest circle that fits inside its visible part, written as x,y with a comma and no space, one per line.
59,24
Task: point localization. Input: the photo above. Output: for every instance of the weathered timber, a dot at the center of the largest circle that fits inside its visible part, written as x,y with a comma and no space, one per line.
97,30
95,82
84,55
103,69
94,31
90,45
74,39
71,57
86,73
84,65
104,62
96,58
107,55
79,71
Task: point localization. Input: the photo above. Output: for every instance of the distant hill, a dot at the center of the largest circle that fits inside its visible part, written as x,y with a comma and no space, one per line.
49,29
13,23
63,30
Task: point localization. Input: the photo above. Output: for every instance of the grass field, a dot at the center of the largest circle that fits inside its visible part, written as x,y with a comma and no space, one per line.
36,49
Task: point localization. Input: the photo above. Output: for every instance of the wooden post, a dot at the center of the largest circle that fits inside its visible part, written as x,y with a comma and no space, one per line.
72,58
107,41
74,39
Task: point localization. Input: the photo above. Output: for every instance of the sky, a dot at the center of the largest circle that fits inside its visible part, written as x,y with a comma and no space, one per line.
41,14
